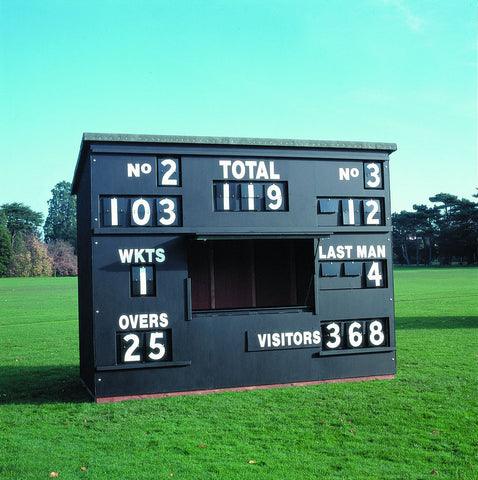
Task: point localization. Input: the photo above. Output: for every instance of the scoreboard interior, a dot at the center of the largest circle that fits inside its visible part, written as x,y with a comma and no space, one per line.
210,263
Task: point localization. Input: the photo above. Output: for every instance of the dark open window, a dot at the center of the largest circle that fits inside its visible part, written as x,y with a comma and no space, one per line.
231,274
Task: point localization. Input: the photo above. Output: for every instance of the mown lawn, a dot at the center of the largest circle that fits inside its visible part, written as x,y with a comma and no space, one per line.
420,424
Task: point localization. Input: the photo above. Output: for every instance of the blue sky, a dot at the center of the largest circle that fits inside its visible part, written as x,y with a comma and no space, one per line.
401,71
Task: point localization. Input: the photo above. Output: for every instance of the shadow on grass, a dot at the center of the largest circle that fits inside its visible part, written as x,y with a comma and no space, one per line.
40,385
61,384
421,323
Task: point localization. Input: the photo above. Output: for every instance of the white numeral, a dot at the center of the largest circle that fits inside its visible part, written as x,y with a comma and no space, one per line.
171,170
169,211
376,336
250,196
137,219
114,212
374,274
349,212
226,194
334,331
274,194
371,220
142,281
129,355
157,348
355,334
375,173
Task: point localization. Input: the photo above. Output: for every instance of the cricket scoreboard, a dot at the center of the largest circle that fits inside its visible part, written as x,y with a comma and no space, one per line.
214,263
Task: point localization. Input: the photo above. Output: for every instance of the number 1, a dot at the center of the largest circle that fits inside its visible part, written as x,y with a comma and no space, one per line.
114,212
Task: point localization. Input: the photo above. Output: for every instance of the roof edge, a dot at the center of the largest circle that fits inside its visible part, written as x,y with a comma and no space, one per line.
246,141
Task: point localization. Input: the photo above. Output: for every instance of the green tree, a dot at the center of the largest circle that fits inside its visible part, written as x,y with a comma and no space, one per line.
403,229
5,245
448,230
21,218
426,232
60,223
21,259
458,228
40,262
465,225
414,235
30,257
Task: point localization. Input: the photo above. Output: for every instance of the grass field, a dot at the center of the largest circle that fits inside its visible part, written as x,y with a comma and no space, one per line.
420,424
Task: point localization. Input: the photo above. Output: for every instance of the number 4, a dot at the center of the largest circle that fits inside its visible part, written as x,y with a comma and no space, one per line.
374,274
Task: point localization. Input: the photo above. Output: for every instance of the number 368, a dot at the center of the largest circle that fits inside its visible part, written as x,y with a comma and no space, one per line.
357,334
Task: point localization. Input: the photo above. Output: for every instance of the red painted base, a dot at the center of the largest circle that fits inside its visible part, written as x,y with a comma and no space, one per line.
242,389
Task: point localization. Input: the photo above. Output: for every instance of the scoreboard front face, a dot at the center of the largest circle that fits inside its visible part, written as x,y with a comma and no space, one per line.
209,263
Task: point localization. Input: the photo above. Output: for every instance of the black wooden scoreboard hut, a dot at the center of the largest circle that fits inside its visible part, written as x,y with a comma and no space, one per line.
211,263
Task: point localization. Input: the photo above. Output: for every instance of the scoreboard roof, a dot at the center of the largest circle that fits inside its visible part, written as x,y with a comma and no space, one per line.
90,138
266,142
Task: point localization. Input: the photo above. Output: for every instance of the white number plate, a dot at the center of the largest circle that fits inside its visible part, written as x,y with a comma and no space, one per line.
347,335
143,347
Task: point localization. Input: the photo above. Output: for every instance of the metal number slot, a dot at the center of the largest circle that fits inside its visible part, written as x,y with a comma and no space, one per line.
142,281
374,275
250,197
168,214
376,334
226,198
373,175
355,334
372,212
274,197
141,212
332,334
168,172
114,212
130,348
350,212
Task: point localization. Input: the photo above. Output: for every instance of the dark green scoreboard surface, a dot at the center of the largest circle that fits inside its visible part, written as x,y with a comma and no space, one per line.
209,263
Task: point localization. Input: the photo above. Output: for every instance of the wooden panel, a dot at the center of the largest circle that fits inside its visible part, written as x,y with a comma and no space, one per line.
199,273
273,273
304,271
233,274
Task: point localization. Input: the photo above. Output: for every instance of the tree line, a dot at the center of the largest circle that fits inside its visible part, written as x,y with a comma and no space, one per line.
444,233
31,248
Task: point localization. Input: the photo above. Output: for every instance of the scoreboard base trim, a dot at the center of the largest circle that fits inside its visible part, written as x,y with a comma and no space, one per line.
241,389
